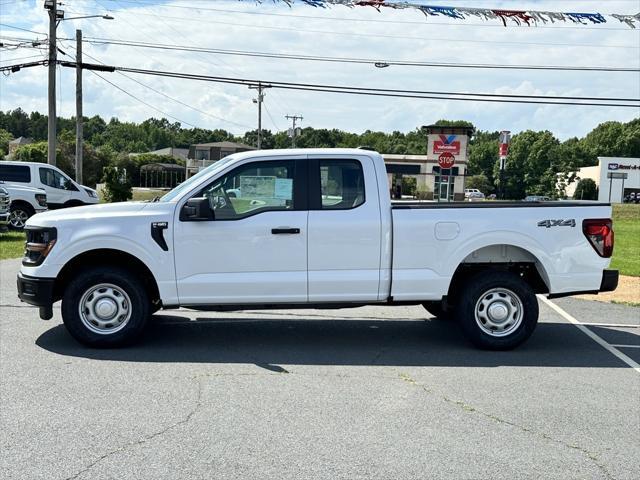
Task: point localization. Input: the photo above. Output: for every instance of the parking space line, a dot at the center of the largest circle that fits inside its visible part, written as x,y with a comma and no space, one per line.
626,346
613,325
614,351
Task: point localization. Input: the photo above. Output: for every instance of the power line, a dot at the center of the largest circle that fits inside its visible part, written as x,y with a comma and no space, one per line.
172,98
459,96
403,37
369,61
20,28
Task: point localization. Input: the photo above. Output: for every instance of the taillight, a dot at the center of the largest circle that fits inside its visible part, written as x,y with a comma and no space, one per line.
41,198
599,232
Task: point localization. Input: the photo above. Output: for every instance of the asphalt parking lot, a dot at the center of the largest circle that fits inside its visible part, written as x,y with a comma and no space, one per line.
373,392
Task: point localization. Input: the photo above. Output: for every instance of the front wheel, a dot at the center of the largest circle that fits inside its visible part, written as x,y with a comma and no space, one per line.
18,216
105,307
497,310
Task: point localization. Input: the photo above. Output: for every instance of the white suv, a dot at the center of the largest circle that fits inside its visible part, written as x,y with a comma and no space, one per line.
473,194
61,190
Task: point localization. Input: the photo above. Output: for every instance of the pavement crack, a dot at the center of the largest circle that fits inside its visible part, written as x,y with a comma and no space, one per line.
593,457
143,440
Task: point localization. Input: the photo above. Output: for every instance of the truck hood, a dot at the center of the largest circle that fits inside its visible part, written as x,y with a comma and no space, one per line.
97,212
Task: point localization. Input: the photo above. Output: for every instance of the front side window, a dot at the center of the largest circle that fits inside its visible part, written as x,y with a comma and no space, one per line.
53,179
252,188
341,184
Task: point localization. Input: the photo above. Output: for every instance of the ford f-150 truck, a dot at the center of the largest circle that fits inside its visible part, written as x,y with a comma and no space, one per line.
311,228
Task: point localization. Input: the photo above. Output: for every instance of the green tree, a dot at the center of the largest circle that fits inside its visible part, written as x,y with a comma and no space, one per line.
532,165
5,138
481,182
612,139
117,187
586,190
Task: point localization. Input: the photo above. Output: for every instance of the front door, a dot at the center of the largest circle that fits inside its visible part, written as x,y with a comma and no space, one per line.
255,250
55,185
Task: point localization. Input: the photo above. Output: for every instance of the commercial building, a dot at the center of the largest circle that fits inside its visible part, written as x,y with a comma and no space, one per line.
440,174
616,178
201,155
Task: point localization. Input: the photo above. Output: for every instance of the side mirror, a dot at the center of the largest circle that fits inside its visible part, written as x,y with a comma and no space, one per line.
196,210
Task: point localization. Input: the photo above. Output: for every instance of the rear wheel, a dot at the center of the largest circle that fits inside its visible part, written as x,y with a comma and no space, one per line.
497,310
105,307
19,213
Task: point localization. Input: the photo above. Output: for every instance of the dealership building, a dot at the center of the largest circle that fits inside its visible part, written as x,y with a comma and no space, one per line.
439,174
616,178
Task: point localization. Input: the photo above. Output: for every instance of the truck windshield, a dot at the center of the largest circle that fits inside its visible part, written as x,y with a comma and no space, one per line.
187,184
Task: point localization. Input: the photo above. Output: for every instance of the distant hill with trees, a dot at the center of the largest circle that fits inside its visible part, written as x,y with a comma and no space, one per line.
536,157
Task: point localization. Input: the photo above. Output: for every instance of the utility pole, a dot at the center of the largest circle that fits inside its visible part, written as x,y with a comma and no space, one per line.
51,5
293,133
260,87
79,106
55,17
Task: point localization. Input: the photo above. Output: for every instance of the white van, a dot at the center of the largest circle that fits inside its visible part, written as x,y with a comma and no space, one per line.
61,190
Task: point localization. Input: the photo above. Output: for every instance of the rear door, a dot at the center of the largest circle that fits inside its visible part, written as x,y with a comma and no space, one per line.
344,229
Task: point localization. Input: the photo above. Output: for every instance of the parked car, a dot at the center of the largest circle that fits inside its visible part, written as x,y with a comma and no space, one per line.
5,201
473,194
25,202
61,190
536,198
316,229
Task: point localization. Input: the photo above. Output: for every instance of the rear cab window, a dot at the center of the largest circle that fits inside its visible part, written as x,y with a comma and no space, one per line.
341,184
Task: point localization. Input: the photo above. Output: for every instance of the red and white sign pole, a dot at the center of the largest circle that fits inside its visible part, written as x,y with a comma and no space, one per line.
503,153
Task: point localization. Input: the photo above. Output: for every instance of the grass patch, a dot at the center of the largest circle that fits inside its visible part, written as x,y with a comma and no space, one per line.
626,250
139,194
11,245
628,304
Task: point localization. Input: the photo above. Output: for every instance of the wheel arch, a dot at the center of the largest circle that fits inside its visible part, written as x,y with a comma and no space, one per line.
502,257
107,257
23,203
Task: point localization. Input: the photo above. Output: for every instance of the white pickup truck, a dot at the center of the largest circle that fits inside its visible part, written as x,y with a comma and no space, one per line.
311,228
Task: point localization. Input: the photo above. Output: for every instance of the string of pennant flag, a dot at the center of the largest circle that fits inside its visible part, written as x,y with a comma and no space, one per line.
518,17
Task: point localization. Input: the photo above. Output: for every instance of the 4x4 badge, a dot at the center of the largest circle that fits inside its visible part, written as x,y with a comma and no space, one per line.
557,223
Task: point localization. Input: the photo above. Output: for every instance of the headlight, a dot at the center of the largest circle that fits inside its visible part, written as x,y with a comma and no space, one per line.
40,241
91,193
41,198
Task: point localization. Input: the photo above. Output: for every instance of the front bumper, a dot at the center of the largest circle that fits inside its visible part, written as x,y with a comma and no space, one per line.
608,283
37,291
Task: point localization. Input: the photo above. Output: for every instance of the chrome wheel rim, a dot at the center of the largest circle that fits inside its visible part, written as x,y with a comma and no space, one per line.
105,309
18,218
499,312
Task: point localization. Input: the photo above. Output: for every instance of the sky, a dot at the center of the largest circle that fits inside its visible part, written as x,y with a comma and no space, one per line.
338,32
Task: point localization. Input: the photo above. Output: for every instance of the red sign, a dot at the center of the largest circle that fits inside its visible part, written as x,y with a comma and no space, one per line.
446,160
504,149
446,144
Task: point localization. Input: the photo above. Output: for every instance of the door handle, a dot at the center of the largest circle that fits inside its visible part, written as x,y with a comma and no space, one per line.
281,230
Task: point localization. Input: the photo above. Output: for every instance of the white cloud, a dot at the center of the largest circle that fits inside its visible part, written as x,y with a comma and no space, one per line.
435,39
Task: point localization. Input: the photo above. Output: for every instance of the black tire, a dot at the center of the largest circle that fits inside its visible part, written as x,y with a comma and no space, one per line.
477,291
19,212
436,309
137,304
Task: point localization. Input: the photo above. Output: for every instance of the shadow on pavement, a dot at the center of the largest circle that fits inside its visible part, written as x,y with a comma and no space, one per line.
269,343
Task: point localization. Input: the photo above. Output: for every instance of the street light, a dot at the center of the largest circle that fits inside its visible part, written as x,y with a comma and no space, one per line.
106,17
